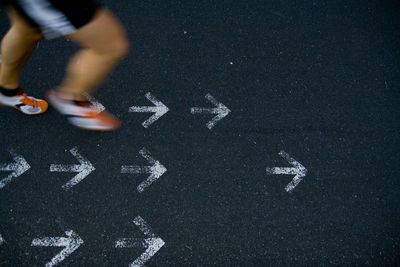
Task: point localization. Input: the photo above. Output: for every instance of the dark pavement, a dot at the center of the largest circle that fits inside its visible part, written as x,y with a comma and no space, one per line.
318,80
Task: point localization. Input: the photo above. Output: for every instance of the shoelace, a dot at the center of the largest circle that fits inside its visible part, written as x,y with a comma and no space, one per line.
30,101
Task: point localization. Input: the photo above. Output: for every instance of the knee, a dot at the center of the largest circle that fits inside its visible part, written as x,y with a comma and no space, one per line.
118,48
122,47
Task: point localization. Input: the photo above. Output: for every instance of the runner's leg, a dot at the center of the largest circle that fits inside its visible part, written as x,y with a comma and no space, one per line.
16,47
104,44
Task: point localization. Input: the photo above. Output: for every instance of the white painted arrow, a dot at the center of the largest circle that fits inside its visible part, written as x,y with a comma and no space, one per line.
83,170
18,168
151,243
155,171
298,170
221,110
159,109
71,243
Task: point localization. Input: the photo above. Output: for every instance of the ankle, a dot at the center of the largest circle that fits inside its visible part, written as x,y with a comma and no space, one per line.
11,91
9,86
67,95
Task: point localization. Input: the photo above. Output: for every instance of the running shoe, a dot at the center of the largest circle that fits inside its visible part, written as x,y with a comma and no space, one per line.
24,103
86,117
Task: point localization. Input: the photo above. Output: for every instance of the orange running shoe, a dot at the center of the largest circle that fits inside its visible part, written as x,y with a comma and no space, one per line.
24,103
84,117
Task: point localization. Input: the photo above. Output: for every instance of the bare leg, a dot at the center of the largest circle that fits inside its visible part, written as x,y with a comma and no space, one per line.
16,47
103,45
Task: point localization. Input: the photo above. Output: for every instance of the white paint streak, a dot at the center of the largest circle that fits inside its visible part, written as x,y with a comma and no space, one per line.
83,170
71,243
221,110
143,226
96,104
155,171
1,240
159,109
298,170
18,168
151,243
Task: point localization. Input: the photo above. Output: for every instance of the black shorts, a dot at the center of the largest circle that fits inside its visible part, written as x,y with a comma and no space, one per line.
56,18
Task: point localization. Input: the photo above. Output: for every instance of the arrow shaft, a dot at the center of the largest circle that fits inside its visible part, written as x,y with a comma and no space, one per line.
51,242
143,109
159,111
65,168
8,167
135,169
129,243
204,110
284,170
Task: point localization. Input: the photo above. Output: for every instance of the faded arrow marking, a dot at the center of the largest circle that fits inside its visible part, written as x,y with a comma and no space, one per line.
151,243
221,110
83,170
155,171
18,168
1,240
71,243
298,170
159,109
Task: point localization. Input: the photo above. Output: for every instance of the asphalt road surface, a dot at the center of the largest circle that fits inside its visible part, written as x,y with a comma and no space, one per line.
301,168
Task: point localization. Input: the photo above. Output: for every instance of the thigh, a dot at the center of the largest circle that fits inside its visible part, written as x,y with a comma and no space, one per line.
102,34
21,25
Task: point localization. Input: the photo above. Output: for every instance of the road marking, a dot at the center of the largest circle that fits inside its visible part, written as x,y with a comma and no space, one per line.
151,243
155,171
18,168
298,170
83,170
96,104
159,109
71,243
2,241
221,110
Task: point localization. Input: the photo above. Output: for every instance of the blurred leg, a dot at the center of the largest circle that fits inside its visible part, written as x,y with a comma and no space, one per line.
103,44
16,47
